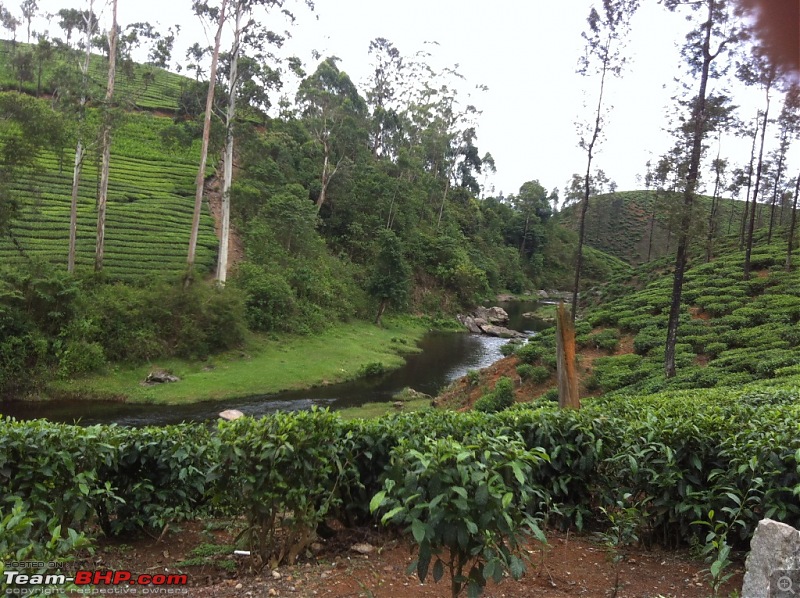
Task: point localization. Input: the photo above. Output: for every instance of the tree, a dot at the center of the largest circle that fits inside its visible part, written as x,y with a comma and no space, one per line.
334,111
29,125
604,41
9,22
89,24
102,195
789,124
202,9
699,55
29,8
245,34
758,71
391,273
533,204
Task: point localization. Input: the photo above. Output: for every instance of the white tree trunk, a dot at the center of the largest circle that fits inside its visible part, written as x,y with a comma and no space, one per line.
201,172
227,176
102,197
79,149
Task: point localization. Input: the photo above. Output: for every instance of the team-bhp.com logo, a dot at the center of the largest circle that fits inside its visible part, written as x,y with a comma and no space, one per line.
85,581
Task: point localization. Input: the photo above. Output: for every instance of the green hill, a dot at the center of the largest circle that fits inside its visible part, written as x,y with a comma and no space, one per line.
151,189
619,223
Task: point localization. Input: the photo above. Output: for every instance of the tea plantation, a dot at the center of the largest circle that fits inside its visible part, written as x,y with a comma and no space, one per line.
149,214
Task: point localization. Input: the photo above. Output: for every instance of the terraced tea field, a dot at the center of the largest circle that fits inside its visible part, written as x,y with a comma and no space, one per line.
149,214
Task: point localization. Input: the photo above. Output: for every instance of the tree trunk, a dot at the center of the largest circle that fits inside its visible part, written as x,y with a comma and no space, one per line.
775,187
227,176
102,197
325,179
568,393
79,148
381,309
712,217
751,227
749,186
201,171
587,187
73,207
652,225
698,118
792,225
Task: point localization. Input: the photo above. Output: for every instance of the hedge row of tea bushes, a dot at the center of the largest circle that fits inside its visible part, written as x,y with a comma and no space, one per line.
681,456
731,331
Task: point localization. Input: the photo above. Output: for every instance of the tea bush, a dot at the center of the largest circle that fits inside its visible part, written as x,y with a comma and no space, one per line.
464,503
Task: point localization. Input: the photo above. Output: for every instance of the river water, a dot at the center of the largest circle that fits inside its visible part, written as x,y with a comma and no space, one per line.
445,356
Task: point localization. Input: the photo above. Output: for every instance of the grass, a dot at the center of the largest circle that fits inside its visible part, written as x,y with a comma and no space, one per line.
264,366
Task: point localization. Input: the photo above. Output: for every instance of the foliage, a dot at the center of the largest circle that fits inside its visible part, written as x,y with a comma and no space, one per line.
500,398
283,472
463,503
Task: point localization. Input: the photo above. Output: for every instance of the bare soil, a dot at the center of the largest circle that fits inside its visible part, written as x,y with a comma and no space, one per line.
568,566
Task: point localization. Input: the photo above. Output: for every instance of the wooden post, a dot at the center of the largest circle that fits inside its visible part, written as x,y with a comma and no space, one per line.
568,396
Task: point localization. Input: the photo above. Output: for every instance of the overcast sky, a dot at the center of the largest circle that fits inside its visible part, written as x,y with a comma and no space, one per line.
525,51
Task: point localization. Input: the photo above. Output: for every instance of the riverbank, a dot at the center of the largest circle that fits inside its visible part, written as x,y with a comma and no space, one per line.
263,366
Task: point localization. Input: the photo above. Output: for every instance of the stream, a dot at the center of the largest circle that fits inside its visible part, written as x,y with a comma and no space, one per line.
445,356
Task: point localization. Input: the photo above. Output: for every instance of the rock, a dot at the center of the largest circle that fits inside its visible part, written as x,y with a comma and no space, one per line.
363,548
470,324
774,560
501,332
493,315
398,405
276,574
273,592
409,394
529,315
238,586
542,294
160,377
505,298
231,414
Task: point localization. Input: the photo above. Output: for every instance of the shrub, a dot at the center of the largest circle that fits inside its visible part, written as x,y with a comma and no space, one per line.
464,503
529,352
282,472
606,340
500,398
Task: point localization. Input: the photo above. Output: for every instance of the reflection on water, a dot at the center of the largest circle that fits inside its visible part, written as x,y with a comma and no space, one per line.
445,357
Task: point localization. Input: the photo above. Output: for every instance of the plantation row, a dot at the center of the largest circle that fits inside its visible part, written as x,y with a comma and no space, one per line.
143,86
149,213
731,331
674,459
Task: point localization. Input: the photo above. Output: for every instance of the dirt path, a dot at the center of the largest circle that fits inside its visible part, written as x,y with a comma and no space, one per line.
568,566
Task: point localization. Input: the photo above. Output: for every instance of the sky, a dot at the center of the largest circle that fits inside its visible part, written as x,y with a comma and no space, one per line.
526,53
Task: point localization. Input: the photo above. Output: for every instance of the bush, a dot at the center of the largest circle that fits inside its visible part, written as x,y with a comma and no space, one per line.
529,352
464,503
606,340
535,373
500,398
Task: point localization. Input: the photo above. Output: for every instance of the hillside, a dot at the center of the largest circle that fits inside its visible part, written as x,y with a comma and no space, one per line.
151,188
619,223
732,332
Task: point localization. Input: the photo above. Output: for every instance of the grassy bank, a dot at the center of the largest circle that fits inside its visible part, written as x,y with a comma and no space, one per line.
263,366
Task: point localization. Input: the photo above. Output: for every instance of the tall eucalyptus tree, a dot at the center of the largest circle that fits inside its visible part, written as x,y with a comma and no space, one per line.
715,31
605,40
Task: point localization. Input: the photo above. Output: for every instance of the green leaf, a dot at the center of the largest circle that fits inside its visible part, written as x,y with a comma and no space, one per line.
386,518
507,498
418,530
376,501
438,570
516,566
482,495
471,527
518,472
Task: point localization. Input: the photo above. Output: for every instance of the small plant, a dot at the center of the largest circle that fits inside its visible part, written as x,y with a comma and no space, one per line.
473,377
502,397
625,520
375,368
464,503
